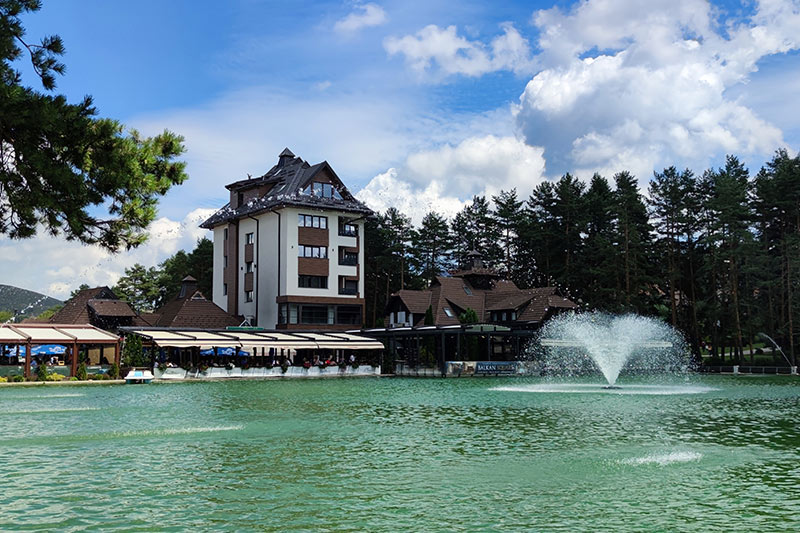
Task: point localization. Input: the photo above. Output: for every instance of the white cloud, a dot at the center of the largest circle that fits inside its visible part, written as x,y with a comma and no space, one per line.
55,267
636,86
363,17
444,179
434,48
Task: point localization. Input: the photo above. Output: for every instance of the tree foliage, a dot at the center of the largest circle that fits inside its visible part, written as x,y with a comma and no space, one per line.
716,254
64,169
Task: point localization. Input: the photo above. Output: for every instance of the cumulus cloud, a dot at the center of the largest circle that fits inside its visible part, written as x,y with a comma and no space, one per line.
444,179
68,264
443,50
632,85
364,16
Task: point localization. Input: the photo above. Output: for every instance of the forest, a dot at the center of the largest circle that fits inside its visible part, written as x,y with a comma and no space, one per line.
716,254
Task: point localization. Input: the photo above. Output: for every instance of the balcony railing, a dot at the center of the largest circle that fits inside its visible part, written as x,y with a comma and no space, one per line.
348,260
344,232
350,291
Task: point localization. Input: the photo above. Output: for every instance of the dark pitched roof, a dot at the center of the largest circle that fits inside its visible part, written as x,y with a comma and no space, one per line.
287,180
533,305
192,311
76,309
106,307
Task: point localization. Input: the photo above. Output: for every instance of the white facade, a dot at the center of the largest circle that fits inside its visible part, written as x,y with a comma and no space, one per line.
275,262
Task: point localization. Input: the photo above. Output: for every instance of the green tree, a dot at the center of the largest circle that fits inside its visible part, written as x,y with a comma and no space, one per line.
199,264
507,217
140,287
431,247
133,353
632,238
597,269
473,229
60,164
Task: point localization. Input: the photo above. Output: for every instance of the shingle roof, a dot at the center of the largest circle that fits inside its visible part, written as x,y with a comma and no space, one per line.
415,301
106,307
288,178
533,304
192,311
76,309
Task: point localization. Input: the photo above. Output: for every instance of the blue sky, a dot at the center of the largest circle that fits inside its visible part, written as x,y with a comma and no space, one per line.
420,104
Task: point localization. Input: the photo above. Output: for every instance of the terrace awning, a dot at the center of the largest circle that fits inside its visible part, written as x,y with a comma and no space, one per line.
208,339
54,334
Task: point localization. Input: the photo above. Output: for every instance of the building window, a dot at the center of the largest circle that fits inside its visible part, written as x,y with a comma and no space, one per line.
225,261
348,286
317,252
224,289
225,234
348,258
348,314
312,282
312,221
467,290
248,238
314,314
346,229
322,190
448,312
248,296
248,267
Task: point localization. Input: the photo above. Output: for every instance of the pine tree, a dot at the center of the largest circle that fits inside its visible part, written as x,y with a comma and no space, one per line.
507,218
598,272
632,239
431,247
62,168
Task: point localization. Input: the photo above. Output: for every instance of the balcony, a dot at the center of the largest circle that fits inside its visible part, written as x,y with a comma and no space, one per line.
348,291
348,232
348,260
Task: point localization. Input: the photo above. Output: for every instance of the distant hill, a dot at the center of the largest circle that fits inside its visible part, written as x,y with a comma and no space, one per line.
26,303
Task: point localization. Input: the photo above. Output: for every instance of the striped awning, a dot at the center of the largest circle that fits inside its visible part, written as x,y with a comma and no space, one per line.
55,334
206,339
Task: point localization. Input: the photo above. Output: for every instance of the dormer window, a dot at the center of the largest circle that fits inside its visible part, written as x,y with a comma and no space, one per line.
322,190
448,312
467,290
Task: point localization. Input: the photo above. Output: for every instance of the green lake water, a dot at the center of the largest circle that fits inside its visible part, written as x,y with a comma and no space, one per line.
403,455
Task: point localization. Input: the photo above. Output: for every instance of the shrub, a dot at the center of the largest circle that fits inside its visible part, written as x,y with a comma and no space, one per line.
41,373
54,377
72,378
2,379
132,352
17,379
113,371
80,373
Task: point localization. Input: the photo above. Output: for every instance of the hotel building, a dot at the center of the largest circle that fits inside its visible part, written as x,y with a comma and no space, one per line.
289,249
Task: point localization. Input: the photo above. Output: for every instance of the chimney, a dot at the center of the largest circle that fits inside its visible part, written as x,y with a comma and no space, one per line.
284,157
188,287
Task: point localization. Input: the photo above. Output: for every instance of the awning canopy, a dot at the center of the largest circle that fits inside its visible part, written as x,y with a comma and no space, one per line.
209,339
54,334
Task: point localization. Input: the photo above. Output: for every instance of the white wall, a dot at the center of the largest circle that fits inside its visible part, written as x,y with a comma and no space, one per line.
217,277
266,269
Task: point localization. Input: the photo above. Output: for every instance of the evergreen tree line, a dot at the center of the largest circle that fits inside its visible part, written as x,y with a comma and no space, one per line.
147,289
715,254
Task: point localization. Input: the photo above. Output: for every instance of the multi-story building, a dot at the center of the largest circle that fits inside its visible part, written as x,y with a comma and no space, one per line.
289,249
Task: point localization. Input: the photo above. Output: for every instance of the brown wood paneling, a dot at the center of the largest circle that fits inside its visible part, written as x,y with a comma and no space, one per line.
318,327
230,275
311,266
288,298
248,281
312,236
248,252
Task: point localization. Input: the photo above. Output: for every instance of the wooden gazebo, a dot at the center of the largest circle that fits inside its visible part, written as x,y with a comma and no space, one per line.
68,335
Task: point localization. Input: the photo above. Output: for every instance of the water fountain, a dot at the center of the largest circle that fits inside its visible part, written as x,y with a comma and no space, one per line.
578,343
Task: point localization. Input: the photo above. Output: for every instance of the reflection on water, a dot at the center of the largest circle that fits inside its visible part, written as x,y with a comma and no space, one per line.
402,454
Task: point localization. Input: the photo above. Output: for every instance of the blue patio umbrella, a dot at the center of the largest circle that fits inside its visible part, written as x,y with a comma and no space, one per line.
224,351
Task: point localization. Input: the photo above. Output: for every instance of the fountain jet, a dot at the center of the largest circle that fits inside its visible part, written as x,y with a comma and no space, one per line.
611,342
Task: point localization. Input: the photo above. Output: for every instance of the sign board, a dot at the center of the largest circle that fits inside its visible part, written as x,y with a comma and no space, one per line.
496,368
